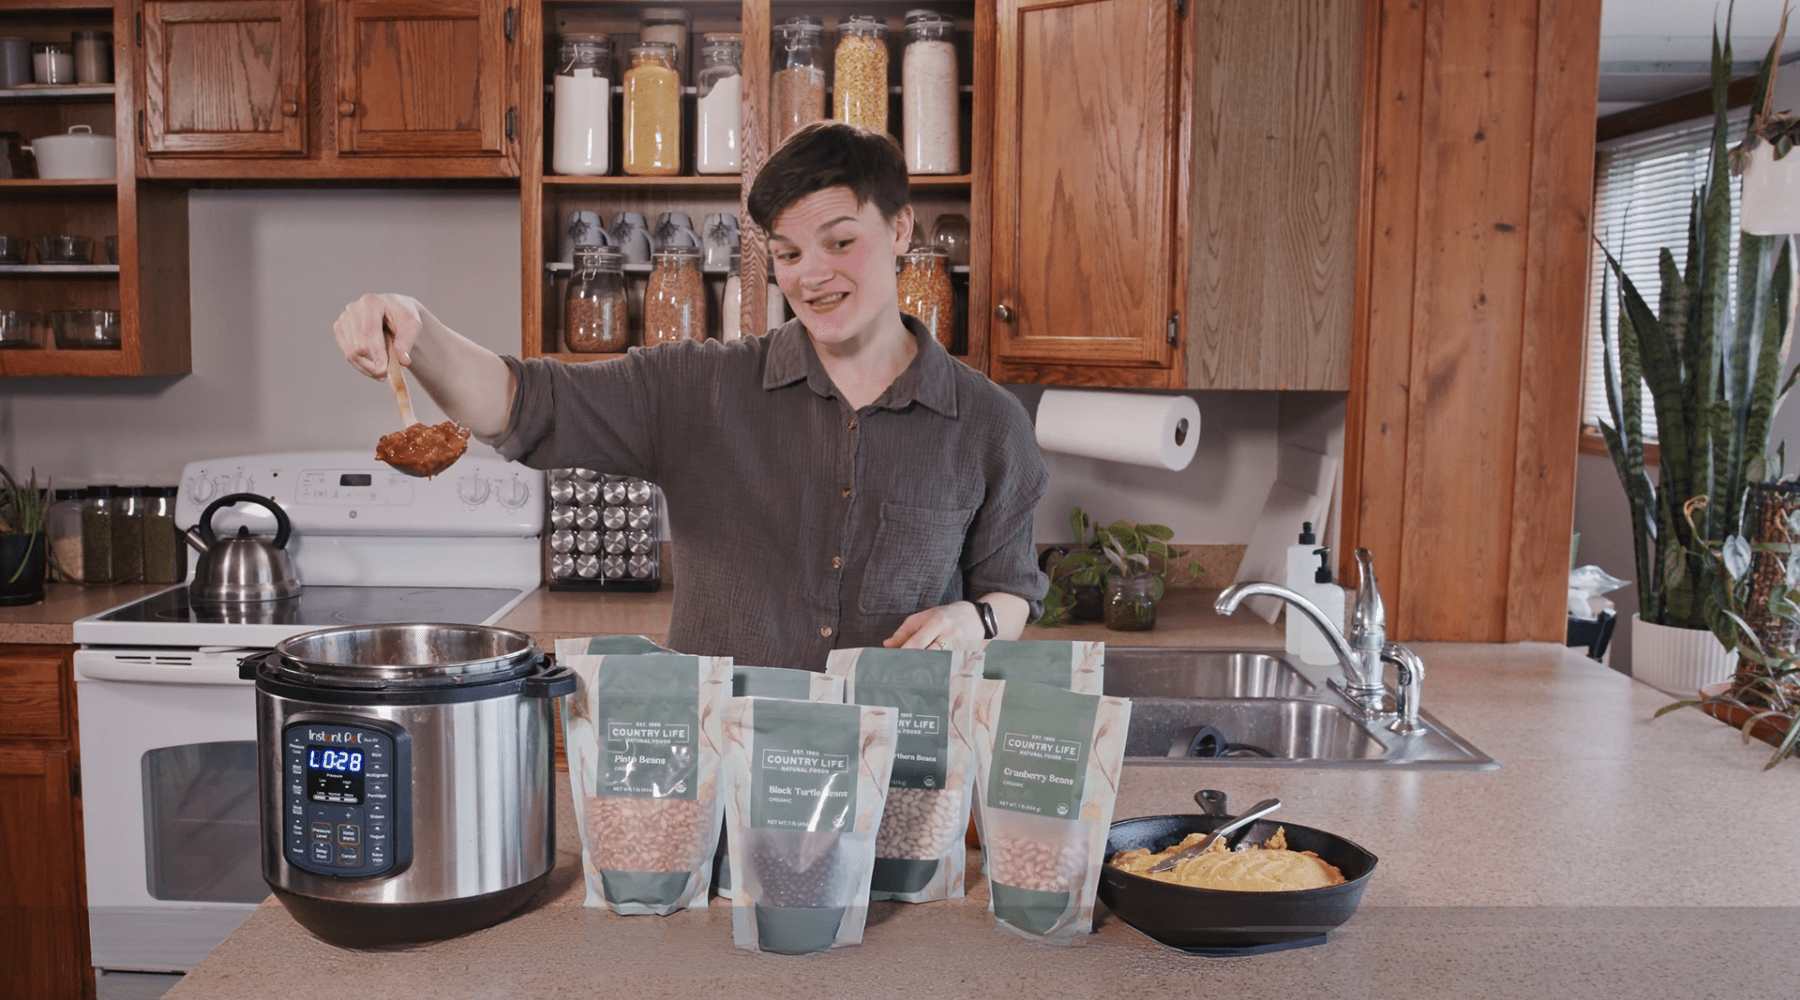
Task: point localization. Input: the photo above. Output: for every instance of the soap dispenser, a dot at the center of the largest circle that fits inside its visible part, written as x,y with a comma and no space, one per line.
1315,649
1299,576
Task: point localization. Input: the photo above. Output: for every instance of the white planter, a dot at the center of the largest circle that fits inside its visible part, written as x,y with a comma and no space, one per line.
1771,198
1678,660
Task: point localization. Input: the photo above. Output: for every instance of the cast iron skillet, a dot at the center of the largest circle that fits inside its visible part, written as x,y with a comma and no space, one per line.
1186,917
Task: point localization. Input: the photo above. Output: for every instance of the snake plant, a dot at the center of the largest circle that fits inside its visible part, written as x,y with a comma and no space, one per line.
1711,354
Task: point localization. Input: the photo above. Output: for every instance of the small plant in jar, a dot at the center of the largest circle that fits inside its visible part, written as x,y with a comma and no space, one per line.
24,542
1127,563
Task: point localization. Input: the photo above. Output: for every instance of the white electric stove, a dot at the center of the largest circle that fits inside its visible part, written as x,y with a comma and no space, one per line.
168,730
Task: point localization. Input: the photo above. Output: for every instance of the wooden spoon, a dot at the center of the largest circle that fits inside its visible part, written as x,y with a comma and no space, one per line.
416,449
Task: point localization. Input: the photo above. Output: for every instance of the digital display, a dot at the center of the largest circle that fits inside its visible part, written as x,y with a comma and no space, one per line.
356,479
334,774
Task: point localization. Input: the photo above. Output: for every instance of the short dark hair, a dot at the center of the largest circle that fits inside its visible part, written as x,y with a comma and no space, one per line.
831,154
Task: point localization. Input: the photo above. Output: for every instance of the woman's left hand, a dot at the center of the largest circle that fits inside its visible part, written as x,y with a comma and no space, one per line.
947,626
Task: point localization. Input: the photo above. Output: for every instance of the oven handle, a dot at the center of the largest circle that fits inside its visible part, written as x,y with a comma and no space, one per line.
159,673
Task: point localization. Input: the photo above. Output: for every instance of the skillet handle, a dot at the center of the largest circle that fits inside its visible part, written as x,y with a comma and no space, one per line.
1211,801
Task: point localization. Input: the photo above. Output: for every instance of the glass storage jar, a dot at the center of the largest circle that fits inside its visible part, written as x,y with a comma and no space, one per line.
925,291
97,511
731,308
718,118
797,80
667,26
594,305
1130,603
859,79
165,547
675,301
951,233
581,131
62,522
53,62
93,56
652,132
128,535
928,95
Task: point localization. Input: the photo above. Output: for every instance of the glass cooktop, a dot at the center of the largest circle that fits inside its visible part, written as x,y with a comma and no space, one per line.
326,607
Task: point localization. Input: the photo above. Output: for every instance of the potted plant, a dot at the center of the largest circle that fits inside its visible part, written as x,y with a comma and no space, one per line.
1120,567
23,540
1711,355
1771,192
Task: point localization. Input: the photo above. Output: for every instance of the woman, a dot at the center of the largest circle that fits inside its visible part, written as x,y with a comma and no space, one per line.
841,482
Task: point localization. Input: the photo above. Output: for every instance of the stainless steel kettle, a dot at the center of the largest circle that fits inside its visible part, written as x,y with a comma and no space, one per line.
244,568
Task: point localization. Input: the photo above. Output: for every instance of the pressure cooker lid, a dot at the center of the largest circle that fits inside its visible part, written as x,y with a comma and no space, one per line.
405,655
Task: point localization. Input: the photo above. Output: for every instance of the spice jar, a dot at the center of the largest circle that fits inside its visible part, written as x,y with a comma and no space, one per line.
667,26
165,547
928,95
720,103
675,301
731,308
925,291
860,72
581,131
652,132
93,56
594,305
797,82
62,522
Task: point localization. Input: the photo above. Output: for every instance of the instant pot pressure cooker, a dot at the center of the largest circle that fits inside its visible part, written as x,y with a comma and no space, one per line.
406,779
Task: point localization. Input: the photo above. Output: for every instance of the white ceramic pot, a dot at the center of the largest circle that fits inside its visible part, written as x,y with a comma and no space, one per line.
76,155
1678,661
1771,197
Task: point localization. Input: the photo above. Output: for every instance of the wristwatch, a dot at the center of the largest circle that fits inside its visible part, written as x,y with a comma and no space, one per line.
990,625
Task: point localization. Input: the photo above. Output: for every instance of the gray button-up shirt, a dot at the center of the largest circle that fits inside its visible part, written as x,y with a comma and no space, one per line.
801,525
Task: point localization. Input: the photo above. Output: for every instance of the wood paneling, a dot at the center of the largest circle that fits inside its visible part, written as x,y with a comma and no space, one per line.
1462,414
421,77
1084,179
1275,161
225,77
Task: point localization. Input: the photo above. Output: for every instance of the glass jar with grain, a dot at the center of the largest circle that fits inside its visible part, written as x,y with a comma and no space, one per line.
581,131
667,26
165,547
928,95
925,291
62,522
719,103
675,301
97,510
594,305
860,72
652,130
797,80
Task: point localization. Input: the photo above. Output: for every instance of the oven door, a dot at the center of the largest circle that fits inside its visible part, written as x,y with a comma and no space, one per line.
168,760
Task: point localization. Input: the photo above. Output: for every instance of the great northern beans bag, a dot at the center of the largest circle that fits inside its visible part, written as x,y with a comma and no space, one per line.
1072,666
771,682
805,785
643,736
1050,763
602,645
919,852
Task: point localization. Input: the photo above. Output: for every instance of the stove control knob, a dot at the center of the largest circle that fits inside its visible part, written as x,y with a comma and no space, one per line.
473,490
202,490
245,483
514,494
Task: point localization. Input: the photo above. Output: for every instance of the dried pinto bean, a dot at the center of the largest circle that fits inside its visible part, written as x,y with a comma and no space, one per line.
645,835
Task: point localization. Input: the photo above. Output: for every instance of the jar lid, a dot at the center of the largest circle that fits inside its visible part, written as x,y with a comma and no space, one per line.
722,38
676,252
594,37
926,250
591,255
62,494
136,491
805,23
925,15
862,22
665,14
664,49
162,491
51,47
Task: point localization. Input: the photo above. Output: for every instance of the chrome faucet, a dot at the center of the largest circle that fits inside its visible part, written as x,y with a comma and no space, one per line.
1363,655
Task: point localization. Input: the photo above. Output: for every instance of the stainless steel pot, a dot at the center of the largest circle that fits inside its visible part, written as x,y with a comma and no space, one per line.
406,789
245,567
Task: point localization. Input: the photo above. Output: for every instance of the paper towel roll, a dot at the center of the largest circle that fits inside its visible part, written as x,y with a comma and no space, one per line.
1140,428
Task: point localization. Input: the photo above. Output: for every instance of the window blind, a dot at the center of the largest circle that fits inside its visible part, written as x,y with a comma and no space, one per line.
1643,193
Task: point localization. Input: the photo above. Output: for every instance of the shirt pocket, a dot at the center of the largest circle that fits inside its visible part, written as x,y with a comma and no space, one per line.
916,556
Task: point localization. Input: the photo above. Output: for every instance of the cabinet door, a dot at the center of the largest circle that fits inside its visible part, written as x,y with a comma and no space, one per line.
422,77
1086,125
224,77
43,926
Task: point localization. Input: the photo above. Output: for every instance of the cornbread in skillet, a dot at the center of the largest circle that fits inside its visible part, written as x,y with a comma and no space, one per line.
1269,868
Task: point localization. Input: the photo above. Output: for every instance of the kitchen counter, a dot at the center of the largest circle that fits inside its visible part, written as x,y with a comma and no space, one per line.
50,621
1554,876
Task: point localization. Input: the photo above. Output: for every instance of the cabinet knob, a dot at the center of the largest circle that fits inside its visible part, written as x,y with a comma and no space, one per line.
1003,313
290,108
346,108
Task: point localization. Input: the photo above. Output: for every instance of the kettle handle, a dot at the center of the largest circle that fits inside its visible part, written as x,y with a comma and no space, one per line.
283,526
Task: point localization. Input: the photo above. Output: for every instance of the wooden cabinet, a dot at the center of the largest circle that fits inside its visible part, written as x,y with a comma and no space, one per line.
224,77
148,283
1086,252
329,89
43,902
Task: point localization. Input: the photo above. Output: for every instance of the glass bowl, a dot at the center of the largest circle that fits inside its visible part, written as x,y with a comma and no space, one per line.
112,249
21,329
86,329
12,249
65,249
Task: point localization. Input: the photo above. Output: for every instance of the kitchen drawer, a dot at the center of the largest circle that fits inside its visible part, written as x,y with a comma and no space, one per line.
33,688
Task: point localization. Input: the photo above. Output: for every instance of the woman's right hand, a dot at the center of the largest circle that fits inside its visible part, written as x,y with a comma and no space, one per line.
359,332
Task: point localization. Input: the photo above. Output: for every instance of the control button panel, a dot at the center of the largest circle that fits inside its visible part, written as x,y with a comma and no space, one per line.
340,798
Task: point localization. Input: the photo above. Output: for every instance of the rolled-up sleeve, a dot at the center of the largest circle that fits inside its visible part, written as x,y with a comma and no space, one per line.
999,553
600,415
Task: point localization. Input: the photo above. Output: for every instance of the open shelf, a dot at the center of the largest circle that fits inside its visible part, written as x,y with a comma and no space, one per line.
111,269
721,182
51,91
57,182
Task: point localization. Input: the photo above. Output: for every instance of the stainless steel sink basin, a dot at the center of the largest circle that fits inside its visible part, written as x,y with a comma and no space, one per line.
1267,711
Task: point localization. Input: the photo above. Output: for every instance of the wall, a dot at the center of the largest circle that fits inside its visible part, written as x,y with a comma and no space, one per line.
271,270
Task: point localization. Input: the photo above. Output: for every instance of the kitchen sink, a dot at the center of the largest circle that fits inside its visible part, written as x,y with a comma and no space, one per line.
1267,713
